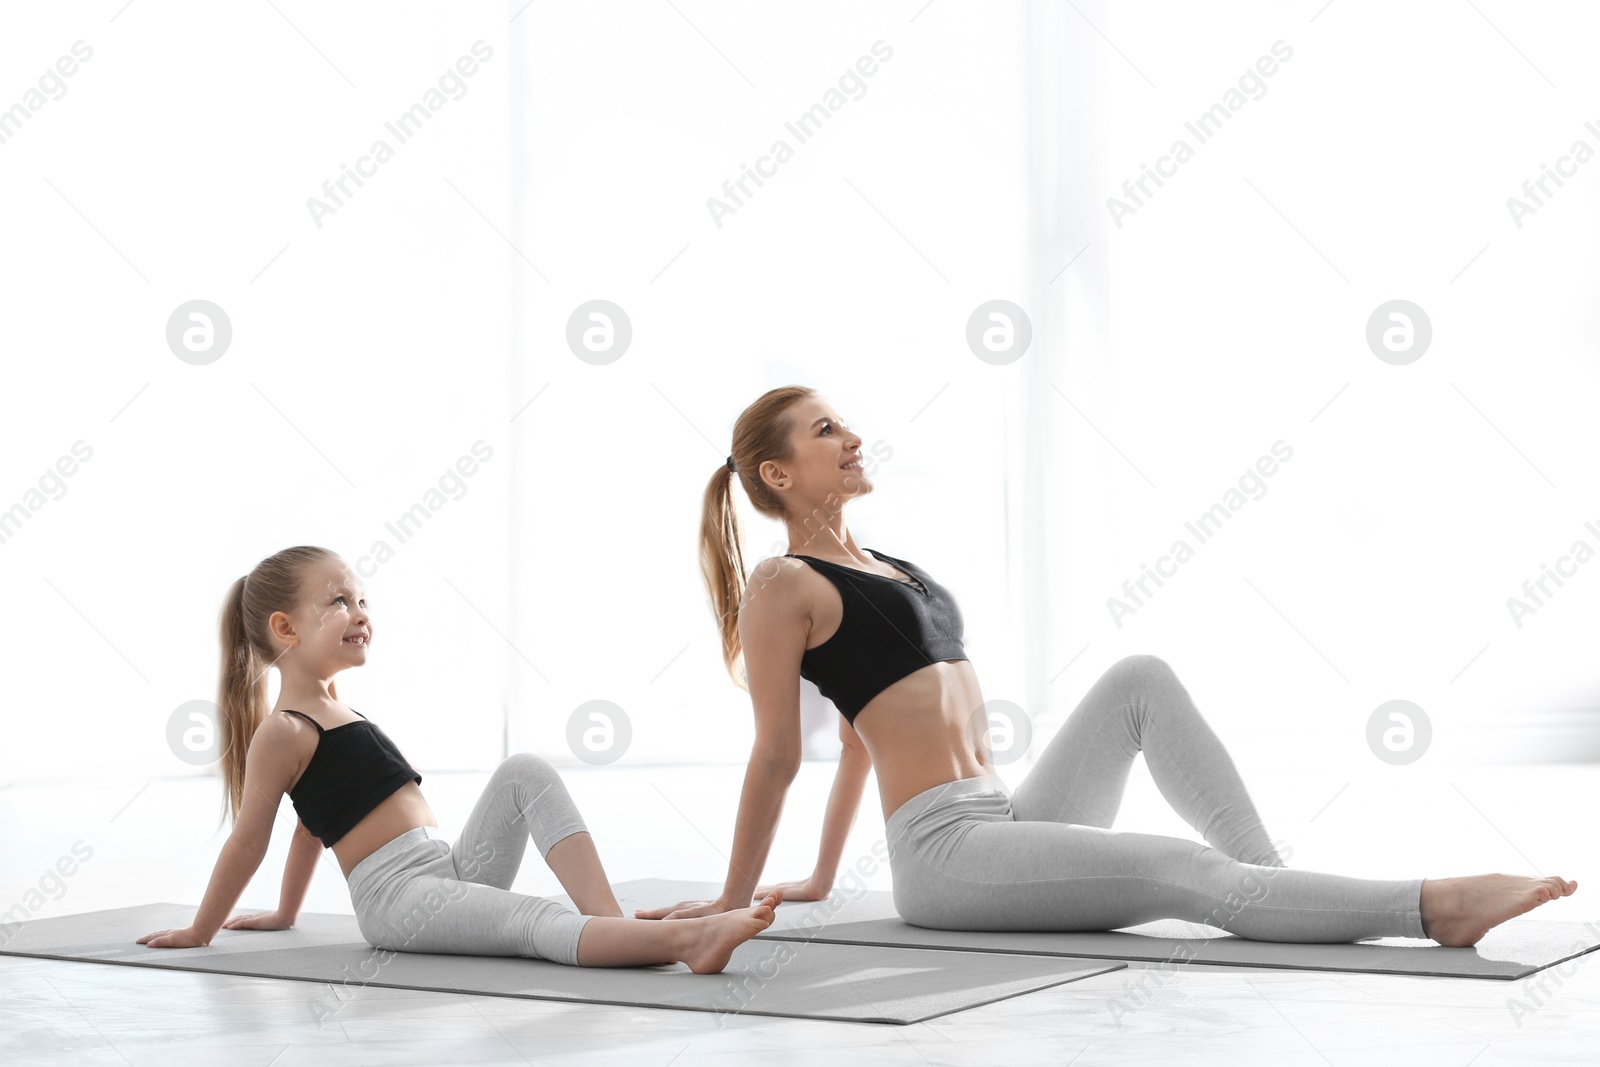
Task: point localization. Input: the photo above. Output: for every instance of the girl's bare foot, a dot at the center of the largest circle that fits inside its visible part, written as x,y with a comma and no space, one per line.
1459,911
712,938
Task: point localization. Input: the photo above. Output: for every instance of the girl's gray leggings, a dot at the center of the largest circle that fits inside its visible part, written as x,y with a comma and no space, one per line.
418,893
972,855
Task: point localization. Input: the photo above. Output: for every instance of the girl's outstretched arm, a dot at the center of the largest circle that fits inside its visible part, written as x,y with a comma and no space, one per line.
268,769
304,853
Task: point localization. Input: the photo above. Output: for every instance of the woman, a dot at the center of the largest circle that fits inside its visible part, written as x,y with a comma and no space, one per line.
882,639
303,611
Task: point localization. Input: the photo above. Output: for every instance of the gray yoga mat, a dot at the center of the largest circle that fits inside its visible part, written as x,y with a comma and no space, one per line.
850,983
1511,950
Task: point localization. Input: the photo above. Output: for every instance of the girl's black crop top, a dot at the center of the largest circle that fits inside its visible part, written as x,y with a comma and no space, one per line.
889,628
354,769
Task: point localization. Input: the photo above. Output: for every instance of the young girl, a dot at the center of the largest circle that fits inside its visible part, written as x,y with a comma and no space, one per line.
303,611
883,640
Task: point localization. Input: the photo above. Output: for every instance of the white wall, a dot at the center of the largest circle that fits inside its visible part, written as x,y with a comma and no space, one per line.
630,126
367,356
370,353
1379,561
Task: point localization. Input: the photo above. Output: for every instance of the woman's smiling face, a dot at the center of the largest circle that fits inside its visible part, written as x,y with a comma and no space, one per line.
827,463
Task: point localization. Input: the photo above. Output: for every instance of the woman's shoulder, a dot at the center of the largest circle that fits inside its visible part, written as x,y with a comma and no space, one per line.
775,567
777,579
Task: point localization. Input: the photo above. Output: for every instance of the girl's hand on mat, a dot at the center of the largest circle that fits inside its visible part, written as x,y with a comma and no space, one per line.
805,889
185,938
684,909
267,920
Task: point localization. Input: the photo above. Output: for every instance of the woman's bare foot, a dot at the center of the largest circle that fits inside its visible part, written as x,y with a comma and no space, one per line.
1459,911
712,938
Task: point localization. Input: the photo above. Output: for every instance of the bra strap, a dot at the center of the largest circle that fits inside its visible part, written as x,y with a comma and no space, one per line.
308,718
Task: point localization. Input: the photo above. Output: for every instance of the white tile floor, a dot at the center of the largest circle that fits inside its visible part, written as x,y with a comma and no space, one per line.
154,842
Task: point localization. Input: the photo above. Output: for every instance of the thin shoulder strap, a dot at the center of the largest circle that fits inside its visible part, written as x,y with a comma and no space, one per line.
358,713
307,718
830,571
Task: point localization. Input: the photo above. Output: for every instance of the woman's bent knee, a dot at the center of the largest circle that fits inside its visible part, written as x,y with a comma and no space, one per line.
1142,664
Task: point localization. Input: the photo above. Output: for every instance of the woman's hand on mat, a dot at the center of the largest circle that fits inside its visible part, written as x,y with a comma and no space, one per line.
805,889
684,909
267,920
693,909
185,938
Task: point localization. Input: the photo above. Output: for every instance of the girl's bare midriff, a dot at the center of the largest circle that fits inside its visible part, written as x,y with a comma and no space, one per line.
404,809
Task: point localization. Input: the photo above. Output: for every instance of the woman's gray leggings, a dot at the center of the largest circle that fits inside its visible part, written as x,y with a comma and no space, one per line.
972,855
418,893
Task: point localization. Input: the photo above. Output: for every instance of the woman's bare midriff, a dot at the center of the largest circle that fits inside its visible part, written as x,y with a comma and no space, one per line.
924,730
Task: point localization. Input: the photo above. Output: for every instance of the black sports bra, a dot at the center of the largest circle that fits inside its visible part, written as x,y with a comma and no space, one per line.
889,629
354,769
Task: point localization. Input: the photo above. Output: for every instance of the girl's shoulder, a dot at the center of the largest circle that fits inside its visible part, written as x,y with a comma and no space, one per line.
285,728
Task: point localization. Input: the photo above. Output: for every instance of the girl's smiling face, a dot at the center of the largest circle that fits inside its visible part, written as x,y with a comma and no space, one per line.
331,627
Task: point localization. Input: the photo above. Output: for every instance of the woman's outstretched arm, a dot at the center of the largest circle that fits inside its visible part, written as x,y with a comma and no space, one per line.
843,805
773,627
766,783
